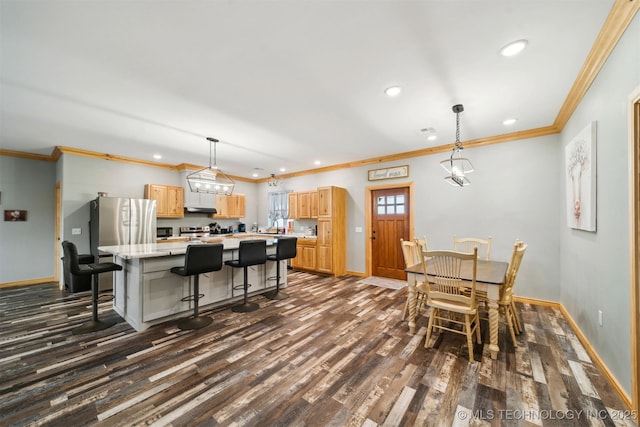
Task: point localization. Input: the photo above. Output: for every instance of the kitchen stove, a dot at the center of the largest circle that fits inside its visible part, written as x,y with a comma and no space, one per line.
194,233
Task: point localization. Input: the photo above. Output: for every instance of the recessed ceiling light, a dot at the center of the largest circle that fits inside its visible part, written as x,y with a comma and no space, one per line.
283,169
317,162
513,48
430,133
157,156
509,122
393,91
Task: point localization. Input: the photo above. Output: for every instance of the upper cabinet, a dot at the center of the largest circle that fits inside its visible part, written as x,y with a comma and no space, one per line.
233,206
293,205
303,205
324,202
314,204
169,200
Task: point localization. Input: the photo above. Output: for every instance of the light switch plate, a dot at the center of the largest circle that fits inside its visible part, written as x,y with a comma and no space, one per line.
358,229
76,231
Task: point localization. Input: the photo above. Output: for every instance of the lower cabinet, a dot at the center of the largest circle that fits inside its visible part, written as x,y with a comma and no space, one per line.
305,255
162,292
325,259
214,286
146,292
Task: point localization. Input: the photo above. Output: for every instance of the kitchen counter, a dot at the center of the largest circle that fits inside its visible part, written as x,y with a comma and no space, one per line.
147,293
169,248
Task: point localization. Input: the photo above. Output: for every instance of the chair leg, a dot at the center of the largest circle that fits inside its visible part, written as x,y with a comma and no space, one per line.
467,325
246,306
508,313
195,322
516,317
94,324
430,327
277,295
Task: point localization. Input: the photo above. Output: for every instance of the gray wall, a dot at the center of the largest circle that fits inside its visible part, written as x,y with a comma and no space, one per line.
26,248
514,195
84,177
595,267
517,192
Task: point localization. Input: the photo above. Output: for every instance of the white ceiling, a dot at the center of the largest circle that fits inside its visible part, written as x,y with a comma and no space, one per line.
281,83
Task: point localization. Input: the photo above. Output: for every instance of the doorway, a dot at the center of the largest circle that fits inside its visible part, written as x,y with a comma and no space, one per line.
634,166
57,238
389,218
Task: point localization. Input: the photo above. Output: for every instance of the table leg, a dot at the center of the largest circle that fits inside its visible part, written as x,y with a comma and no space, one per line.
411,280
494,317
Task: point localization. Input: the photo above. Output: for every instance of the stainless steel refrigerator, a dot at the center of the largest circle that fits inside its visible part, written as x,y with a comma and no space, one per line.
119,221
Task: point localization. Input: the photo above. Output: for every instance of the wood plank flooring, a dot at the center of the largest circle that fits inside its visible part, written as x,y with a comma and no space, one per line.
336,353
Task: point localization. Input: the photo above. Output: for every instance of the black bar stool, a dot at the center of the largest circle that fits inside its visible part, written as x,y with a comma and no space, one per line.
285,249
197,260
250,252
93,269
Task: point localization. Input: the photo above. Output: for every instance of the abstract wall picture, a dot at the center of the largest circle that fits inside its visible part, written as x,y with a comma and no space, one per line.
580,173
15,215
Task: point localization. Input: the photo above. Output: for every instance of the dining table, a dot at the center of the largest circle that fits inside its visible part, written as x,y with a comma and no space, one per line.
490,276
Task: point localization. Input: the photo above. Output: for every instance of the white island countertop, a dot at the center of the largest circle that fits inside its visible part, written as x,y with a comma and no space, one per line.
154,250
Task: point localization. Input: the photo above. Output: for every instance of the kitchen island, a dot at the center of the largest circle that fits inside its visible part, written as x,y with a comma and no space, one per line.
146,293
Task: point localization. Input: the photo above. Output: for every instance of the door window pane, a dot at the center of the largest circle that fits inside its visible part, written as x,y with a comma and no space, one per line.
391,205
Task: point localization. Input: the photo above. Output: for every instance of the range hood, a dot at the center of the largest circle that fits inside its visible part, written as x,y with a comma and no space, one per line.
196,209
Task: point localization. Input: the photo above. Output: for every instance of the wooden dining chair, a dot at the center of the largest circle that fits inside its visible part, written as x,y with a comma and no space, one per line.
466,244
411,254
422,242
506,305
452,300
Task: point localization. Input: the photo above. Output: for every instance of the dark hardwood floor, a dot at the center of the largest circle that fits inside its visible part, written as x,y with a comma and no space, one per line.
336,353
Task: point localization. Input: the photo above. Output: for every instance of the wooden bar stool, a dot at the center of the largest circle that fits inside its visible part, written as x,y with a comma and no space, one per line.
197,260
250,252
285,249
93,269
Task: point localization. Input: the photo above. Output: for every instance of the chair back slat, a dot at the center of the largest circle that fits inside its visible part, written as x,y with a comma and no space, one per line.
466,244
409,252
445,278
506,291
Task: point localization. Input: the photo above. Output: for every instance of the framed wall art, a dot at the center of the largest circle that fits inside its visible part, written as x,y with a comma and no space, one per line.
388,173
580,176
15,215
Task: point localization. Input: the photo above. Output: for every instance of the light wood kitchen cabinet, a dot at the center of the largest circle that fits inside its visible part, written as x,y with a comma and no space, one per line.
325,244
293,205
232,206
305,255
327,253
314,204
169,200
304,205
332,230
325,202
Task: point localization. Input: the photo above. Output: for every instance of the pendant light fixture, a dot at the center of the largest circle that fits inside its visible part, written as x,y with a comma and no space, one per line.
456,165
273,180
211,180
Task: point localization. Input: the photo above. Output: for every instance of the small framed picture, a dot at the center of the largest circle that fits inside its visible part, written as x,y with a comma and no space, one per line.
15,215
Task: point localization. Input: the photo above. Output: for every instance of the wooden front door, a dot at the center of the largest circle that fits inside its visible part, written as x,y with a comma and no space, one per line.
389,224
